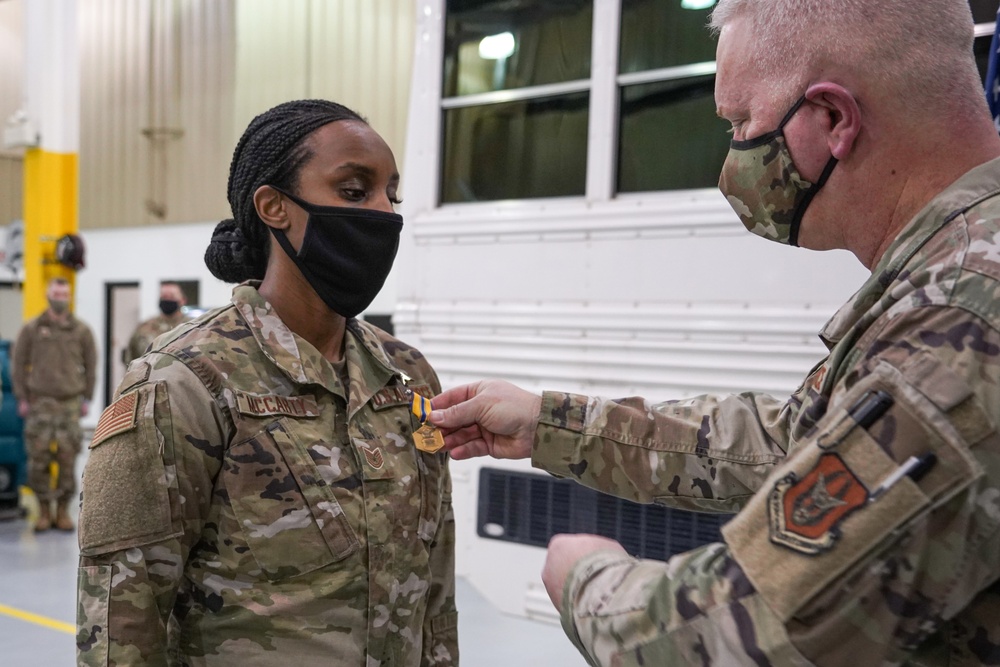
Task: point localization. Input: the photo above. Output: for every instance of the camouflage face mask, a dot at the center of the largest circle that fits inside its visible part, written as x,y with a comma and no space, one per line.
764,187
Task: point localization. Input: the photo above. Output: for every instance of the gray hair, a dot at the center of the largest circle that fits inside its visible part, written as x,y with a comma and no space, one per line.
919,50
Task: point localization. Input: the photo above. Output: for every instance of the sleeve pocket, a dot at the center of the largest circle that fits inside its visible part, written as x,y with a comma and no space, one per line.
441,640
125,500
822,515
93,595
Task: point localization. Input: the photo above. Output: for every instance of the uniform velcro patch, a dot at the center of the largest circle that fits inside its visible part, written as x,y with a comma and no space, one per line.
258,405
118,417
394,395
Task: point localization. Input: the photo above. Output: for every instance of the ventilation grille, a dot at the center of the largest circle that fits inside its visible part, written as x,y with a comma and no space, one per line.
529,509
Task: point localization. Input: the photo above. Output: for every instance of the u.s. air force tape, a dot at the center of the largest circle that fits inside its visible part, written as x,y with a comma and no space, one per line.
427,438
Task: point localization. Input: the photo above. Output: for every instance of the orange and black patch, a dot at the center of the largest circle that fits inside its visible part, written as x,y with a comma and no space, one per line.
805,514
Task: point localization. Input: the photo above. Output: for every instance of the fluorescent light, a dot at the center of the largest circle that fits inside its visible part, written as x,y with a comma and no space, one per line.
497,47
696,4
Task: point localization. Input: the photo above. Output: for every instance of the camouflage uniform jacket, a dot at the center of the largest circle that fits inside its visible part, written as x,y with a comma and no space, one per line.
54,359
837,557
147,332
239,507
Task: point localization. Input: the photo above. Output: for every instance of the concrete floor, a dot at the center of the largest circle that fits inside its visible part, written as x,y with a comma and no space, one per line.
38,611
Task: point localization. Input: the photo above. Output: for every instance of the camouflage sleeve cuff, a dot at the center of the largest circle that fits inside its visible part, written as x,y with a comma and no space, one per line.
560,423
582,574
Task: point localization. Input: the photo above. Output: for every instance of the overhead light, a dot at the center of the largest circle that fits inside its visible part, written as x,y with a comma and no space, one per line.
696,4
497,47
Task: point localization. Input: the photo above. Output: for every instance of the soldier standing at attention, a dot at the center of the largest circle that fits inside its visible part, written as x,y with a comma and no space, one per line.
172,300
868,525
54,373
254,494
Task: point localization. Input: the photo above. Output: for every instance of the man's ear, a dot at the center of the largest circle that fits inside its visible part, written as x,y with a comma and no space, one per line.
270,206
844,116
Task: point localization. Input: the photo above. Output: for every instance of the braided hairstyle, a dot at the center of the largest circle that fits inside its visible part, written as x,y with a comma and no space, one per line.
271,151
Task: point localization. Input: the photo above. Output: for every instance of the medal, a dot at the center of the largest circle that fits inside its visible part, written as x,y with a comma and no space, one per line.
427,438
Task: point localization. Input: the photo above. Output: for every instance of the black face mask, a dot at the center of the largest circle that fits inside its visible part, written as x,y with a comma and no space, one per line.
346,253
168,306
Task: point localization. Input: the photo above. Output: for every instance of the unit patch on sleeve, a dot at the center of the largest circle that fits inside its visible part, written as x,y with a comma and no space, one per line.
805,514
118,417
258,405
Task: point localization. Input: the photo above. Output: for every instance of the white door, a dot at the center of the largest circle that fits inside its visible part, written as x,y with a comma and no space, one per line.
122,319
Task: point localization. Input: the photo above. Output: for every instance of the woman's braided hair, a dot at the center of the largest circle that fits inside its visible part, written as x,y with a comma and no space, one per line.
271,151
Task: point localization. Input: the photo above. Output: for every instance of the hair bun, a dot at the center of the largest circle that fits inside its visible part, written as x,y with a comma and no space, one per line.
230,258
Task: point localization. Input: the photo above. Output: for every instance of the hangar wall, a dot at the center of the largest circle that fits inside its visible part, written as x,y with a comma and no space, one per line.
168,85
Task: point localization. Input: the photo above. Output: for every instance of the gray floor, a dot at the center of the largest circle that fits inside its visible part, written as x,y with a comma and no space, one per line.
38,576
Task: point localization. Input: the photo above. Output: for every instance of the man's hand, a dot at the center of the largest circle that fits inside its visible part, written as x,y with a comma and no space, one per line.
23,408
564,553
84,408
489,417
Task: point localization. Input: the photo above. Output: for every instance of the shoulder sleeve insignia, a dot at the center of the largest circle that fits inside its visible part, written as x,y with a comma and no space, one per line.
117,418
805,514
260,405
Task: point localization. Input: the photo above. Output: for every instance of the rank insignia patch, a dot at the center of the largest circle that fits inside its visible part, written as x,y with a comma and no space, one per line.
118,417
374,457
805,514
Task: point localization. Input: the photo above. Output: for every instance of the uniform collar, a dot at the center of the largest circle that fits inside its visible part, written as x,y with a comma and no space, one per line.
368,366
47,320
975,186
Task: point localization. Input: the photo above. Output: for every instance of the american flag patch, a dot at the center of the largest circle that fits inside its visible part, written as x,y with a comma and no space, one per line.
118,417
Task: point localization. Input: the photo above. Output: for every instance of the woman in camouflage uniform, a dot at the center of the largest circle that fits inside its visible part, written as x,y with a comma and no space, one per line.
254,492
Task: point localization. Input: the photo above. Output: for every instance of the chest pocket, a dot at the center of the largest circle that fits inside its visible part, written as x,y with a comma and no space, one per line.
394,424
289,515
56,342
435,493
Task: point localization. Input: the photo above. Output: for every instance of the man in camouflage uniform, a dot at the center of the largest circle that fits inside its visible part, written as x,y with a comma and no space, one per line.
172,301
246,501
54,368
868,530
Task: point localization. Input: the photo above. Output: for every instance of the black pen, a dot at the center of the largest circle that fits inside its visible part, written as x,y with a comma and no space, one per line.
865,412
870,407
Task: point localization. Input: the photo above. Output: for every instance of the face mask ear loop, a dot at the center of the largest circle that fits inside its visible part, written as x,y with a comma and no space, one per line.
791,112
286,245
793,236
298,202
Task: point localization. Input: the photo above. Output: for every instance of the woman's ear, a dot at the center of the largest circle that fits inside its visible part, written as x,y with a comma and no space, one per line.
844,114
270,206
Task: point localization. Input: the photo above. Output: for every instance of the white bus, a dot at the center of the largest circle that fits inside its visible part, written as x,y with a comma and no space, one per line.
564,231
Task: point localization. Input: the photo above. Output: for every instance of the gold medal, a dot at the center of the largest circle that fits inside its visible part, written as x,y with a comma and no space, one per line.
427,438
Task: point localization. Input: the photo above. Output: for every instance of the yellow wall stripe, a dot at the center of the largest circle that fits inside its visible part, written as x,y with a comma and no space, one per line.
50,211
45,621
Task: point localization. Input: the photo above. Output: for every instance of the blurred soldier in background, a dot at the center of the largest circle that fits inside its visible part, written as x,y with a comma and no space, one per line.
54,372
172,302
